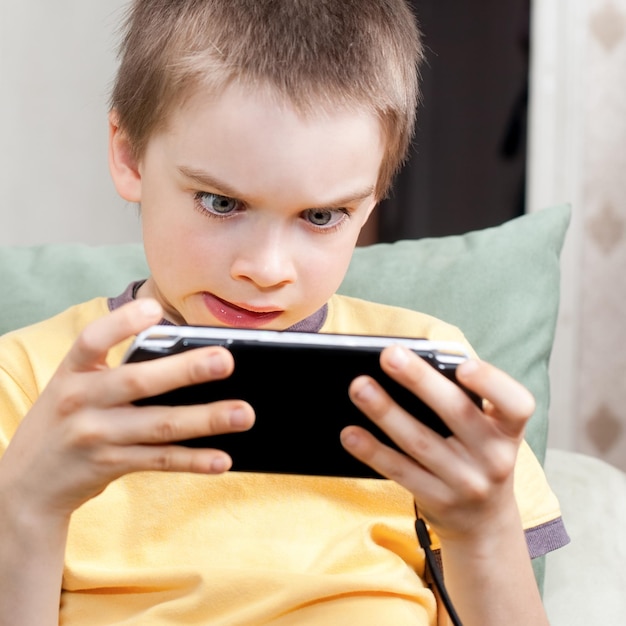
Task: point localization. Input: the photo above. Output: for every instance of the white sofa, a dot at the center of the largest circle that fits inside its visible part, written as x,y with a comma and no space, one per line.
585,582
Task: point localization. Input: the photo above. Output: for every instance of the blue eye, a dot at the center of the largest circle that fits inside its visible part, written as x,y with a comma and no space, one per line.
325,218
216,204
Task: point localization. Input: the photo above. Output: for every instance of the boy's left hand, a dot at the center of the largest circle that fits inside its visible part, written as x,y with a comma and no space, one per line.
460,483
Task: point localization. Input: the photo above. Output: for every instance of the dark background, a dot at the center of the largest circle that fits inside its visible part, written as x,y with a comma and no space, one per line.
466,170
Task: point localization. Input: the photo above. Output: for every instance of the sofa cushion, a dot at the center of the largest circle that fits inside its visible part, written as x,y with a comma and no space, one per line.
592,494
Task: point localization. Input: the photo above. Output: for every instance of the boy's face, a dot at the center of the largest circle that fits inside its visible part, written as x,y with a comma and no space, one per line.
250,211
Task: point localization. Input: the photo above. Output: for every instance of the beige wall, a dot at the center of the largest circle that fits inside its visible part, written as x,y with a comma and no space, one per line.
56,61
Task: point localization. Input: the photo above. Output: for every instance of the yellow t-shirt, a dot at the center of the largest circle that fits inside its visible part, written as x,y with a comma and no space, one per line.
243,549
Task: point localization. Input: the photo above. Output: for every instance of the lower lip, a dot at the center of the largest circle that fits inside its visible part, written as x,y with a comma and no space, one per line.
235,317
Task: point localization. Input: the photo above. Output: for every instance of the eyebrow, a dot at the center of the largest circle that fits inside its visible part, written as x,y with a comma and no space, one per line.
207,180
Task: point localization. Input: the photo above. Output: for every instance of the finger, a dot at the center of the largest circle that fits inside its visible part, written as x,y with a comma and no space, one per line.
488,439
163,424
133,381
96,339
419,442
506,400
390,463
447,399
165,458
432,463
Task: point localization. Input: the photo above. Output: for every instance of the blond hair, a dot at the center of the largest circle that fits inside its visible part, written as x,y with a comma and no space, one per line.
359,54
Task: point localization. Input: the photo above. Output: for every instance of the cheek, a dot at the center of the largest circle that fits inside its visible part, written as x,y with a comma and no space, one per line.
179,250
326,271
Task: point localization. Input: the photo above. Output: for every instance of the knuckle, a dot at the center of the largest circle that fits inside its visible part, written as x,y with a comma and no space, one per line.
395,472
163,461
501,465
463,407
480,491
500,474
85,433
71,400
476,489
107,459
418,447
448,504
167,429
135,386
87,341
197,370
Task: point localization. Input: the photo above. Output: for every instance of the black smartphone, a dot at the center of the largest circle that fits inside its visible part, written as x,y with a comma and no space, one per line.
297,384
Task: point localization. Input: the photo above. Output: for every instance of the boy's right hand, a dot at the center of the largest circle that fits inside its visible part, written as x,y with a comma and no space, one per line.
84,432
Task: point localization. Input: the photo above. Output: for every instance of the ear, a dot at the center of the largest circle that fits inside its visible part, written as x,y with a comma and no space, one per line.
123,166
370,210
369,231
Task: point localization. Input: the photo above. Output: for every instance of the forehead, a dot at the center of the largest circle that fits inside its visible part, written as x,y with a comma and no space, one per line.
239,134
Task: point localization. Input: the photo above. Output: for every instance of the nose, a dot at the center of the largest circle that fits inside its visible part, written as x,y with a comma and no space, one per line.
266,260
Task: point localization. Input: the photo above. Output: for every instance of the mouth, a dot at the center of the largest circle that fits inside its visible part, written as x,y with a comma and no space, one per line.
238,316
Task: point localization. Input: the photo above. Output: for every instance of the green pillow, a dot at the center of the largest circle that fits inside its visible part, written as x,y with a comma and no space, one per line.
37,282
499,285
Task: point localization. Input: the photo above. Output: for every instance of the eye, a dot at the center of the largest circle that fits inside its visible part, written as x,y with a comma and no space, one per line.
325,218
217,205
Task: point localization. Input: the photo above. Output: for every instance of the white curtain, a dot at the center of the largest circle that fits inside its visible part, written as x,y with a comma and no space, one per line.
577,153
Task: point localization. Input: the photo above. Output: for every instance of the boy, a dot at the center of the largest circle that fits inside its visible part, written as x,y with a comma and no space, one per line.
257,137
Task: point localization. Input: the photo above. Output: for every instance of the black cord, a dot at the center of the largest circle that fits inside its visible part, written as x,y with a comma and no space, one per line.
433,569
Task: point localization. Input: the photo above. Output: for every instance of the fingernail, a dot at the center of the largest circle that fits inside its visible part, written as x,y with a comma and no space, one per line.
365,392
219,464
238,418
216,364
398,357
349,439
